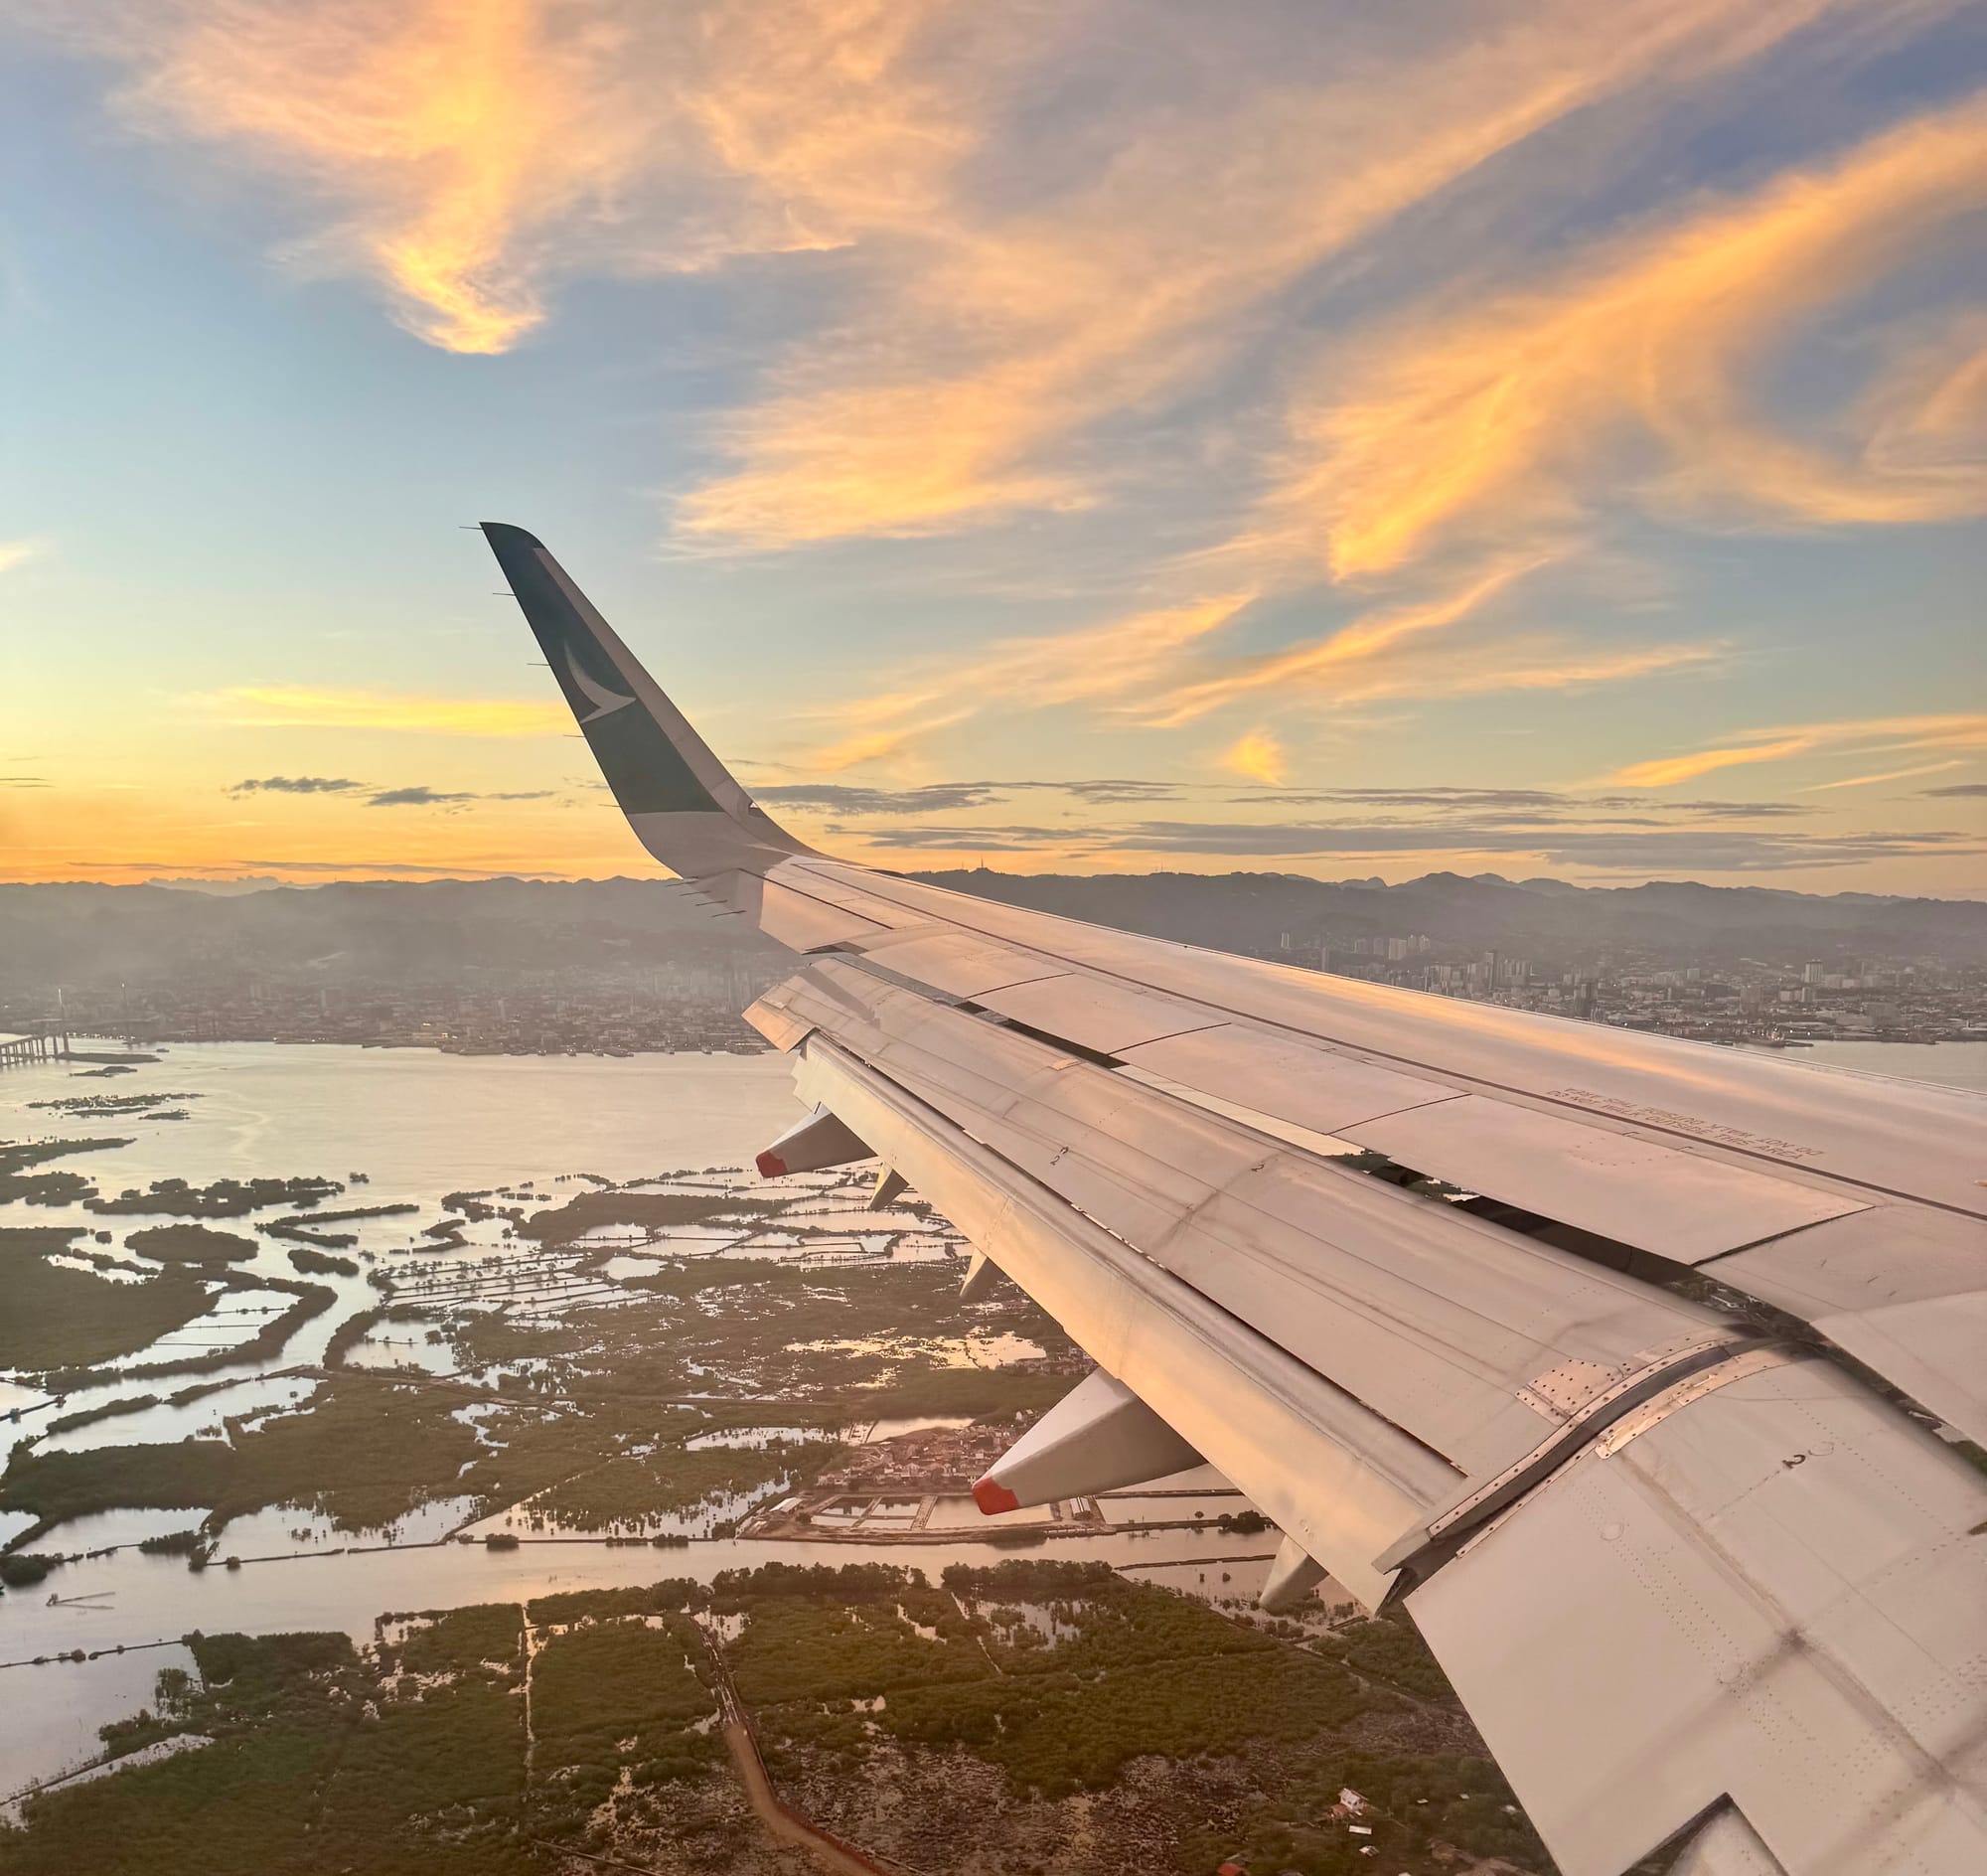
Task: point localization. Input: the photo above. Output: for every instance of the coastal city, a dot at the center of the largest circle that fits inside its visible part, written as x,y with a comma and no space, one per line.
695,1007
1751,1000
574,1013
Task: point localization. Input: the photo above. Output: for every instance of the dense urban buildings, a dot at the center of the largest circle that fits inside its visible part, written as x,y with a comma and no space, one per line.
1879,1000
621,966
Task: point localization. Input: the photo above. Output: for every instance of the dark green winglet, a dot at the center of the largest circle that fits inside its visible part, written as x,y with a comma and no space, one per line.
644,768
653,761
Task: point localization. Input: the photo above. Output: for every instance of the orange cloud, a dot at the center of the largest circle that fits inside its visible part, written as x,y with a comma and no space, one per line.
1525,662
1102,661
439,134
1259,756
1503,418
893,747
1153,669
289,707
465,152
995,335
1777,745
1929,413
1096,665
1317,665
1889,775
1667,770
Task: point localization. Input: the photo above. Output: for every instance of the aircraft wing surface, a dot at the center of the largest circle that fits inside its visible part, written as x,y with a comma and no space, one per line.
1630,1367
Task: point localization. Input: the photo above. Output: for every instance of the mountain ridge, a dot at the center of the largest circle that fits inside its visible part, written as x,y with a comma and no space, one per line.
396,930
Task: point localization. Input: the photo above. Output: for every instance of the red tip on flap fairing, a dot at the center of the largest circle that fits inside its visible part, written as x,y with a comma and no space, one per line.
990,1496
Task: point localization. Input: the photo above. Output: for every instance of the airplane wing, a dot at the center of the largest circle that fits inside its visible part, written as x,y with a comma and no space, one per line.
1646,1412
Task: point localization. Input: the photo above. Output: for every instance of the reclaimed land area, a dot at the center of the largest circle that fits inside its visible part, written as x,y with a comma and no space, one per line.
1026,1718
664,1361
670,1399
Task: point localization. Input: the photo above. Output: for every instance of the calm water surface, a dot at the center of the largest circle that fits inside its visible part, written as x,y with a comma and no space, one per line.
1949,1064
417,1123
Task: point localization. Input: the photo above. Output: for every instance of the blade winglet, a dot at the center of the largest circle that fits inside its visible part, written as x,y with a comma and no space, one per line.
683,805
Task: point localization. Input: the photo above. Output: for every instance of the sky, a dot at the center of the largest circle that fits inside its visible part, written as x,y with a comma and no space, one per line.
1356,439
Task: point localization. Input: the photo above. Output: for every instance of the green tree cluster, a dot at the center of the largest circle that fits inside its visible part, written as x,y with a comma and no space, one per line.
57,1317
617,1695
224,1198
1412,1802
1391,1650
191,1244
364,1454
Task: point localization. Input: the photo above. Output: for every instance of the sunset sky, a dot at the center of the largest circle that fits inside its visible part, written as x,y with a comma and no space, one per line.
1088,435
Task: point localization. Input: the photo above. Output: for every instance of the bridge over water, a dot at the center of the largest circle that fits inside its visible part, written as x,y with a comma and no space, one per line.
39,1043
53,1042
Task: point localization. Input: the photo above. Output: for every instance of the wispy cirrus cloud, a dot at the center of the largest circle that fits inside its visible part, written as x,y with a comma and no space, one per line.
1863,736
15,554
1166,666
1523,661
1002,333
1888,776
1636,376
468,155
1098,666
297,706
1321,665
1629,380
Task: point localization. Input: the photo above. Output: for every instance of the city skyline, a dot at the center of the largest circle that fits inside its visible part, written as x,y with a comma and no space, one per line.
1074,439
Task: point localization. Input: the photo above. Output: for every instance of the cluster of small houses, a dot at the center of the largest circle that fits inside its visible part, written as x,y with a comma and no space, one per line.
1350,1811
936,1460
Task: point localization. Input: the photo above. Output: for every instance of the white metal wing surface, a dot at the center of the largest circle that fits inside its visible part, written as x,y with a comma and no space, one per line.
1641,1425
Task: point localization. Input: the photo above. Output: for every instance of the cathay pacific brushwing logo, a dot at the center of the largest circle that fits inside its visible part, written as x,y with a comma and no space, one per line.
605,702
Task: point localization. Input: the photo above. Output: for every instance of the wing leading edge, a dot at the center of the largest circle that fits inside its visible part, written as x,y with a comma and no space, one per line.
1700,1584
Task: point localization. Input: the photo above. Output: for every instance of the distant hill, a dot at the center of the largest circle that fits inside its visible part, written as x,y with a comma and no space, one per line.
1546,920
439,932
448,931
